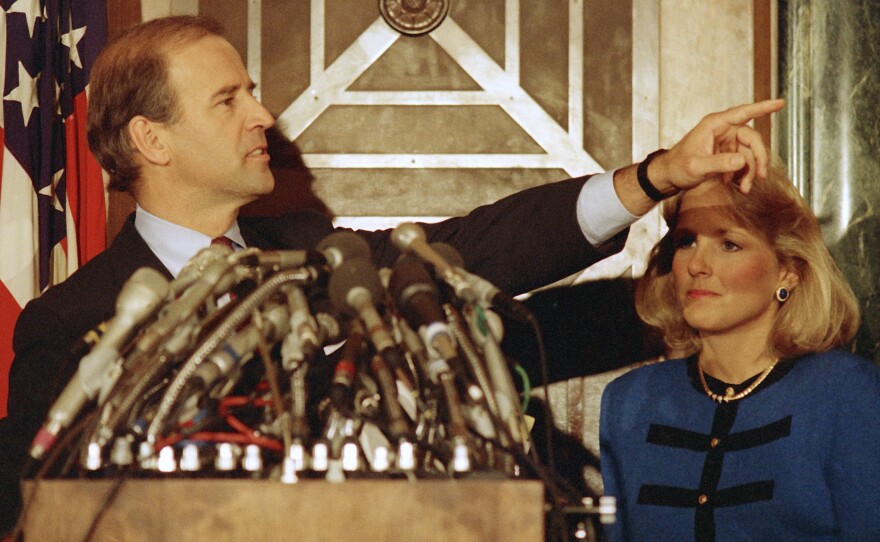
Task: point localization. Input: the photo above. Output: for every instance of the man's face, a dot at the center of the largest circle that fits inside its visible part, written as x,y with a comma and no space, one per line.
218,144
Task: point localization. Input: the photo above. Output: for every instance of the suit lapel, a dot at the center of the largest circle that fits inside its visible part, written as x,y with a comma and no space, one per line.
129,252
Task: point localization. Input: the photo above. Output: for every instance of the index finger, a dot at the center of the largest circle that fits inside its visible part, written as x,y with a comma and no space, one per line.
742,114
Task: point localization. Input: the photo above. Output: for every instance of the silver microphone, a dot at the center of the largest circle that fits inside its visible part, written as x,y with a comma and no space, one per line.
140,297
196,266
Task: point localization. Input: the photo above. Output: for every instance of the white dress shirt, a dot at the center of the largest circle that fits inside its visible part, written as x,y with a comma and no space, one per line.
174,245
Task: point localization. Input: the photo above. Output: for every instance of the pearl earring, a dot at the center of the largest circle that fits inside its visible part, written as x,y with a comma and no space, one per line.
782,294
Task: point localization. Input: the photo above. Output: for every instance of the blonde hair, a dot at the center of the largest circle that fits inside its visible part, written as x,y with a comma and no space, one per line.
821,312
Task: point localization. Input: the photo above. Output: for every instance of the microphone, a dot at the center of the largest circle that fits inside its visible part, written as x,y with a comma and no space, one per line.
309,331
239,346
280,259
170,335
410,237
499,374
84,344
215,279
353,288
448,253
345,371
414,292
343,245
194,268
138,300
417,298
305,336
499,392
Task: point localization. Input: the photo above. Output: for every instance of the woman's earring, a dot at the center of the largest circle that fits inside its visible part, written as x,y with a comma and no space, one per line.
782,294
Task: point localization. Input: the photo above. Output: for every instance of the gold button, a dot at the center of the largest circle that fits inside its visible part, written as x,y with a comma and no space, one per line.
714,442
703,499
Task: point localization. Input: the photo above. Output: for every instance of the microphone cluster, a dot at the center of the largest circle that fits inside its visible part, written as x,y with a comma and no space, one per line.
290,364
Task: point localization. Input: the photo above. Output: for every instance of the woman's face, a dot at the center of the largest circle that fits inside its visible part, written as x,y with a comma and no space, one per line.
725,274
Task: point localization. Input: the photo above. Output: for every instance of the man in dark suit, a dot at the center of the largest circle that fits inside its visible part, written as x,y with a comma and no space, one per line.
173,120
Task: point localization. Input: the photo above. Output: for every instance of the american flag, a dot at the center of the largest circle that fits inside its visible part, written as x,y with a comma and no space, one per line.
52,196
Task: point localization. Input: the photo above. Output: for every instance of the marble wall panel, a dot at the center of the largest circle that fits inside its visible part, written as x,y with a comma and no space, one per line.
830,71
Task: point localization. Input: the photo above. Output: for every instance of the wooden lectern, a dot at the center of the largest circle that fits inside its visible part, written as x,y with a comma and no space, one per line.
198,510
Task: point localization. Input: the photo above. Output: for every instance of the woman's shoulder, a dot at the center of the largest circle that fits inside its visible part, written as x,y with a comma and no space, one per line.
838,363
630,396
650,375
843,375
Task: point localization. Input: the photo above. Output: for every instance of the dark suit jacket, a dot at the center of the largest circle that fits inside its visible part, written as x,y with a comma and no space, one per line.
519,243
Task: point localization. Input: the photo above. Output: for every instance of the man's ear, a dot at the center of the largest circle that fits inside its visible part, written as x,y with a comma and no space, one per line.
146,137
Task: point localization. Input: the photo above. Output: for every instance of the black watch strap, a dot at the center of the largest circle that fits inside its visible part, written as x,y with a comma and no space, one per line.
642,175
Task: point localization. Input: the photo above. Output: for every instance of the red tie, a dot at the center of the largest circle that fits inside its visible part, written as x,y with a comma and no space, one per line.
225,241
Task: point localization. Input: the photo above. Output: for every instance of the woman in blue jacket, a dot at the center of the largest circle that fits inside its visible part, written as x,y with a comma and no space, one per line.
759,428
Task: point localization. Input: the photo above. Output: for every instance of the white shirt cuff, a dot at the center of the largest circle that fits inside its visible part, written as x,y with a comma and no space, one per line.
600,213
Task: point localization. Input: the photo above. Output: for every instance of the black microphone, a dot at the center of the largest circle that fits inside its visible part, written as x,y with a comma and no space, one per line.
410,237
448,253
281,259
345,371
139,298
354,288
500,395
84,344
343,245
414,292
417,298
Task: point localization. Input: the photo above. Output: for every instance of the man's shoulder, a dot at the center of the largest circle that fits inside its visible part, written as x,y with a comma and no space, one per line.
81,301
94,286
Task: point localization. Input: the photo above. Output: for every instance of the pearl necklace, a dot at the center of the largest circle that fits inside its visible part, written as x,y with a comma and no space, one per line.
729,395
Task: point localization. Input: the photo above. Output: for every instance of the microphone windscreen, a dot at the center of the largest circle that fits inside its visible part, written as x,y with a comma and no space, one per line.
407,276
405,234
448,253
415,293
351,274
142,291
343,245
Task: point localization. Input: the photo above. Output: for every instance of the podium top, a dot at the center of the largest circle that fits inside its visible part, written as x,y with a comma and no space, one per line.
308,511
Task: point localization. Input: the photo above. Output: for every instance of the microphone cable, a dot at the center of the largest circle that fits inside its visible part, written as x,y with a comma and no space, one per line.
17,534
105,504
545,383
